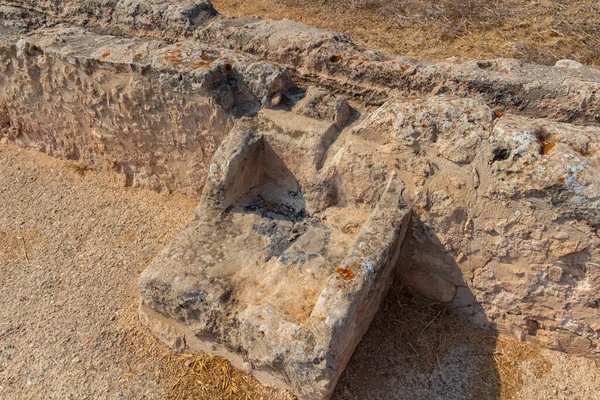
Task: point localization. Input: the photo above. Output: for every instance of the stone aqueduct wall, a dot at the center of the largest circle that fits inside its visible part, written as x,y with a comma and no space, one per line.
499,158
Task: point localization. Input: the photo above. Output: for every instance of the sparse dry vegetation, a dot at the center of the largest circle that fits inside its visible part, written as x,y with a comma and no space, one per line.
541,31
423,332
212,378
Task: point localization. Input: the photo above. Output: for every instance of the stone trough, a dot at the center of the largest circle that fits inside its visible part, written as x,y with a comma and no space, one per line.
324,170
261,277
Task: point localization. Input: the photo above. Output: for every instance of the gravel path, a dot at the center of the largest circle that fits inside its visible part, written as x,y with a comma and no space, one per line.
72,244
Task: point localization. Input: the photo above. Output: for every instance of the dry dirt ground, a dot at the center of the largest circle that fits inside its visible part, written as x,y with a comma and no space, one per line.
72,244
541,31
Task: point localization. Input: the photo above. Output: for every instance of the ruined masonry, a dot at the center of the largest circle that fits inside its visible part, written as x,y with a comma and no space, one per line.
324,169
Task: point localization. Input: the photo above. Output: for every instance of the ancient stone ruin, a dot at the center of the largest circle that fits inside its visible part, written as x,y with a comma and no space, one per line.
323,170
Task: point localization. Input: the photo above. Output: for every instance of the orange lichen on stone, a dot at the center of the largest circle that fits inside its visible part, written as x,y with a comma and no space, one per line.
561,179
336,59
404,68
174,56
498,114
139,55
174,59
546,146
206,57
345,273
201,64
106,54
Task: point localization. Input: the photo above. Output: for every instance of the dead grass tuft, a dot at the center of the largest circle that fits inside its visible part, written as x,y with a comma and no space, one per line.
80,168
509,358
212,378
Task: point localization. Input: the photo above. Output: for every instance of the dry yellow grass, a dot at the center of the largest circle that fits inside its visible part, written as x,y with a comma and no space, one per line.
509,356
542,31
212,378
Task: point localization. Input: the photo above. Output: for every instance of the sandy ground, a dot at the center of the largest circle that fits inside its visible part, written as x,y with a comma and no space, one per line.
68,325
72,244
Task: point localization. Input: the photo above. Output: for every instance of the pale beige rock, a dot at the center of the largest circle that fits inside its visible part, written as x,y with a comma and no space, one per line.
253,271
81,96
320,104
430,285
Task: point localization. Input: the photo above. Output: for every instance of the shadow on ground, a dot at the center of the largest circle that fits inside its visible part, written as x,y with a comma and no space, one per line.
418,349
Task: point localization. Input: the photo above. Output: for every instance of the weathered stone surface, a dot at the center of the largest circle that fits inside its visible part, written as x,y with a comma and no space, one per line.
303,216
151,110
566,92
320,104
291,292
514,222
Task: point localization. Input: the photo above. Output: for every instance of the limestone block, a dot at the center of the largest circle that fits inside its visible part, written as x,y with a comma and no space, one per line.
290,292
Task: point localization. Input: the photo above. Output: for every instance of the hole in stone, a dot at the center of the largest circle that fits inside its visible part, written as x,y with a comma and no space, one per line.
485,64
500,154
532,327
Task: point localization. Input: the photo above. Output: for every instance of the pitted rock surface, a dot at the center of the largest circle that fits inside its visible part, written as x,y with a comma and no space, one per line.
324,169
